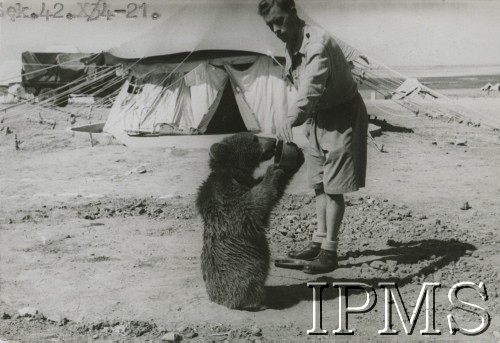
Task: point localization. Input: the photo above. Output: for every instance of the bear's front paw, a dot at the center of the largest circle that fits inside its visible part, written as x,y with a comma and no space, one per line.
278,178
270,171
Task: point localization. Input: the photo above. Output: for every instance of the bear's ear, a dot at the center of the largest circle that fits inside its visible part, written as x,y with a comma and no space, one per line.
219,152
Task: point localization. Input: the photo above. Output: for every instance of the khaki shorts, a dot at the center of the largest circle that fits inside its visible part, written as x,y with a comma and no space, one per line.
336,157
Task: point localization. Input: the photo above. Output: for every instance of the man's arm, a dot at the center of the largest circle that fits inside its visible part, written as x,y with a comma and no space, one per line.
313,81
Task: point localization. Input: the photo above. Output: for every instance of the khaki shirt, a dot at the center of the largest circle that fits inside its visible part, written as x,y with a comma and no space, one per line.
319,71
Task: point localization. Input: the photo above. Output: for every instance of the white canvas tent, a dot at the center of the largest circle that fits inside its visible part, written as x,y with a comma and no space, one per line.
490,87
487,87
413,89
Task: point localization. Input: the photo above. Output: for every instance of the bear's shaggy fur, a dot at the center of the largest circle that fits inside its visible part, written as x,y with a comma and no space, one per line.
235,209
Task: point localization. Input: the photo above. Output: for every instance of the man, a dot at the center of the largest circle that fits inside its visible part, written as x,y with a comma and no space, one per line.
336,124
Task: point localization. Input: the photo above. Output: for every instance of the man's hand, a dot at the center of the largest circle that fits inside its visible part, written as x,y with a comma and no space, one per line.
285,129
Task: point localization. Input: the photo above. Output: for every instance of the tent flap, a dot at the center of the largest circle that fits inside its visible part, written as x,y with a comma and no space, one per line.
263,94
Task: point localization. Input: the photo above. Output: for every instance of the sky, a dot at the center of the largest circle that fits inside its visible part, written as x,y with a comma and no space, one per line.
394,32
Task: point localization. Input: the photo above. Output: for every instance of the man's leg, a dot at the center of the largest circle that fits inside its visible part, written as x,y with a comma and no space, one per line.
335,208
315,163
321,206
312,250
327,260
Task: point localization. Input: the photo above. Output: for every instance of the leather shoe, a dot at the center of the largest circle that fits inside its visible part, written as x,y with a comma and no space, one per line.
326,262
309,253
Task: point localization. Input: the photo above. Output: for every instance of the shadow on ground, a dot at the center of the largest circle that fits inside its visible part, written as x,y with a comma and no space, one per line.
414,252
386,127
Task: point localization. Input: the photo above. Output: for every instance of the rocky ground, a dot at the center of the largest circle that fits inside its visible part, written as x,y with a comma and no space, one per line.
102,243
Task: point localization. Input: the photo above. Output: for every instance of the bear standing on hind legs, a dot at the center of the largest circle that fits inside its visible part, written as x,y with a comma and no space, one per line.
235,209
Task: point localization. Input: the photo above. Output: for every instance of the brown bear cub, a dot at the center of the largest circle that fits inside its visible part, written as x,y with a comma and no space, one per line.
235,209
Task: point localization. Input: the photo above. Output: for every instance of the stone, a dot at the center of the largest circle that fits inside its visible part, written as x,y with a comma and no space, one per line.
392,265
54,319
97,326
465,206
171,337
6,316
63,321
394,217
138,170
378,265
256,331
186,331
190,334
119,329
106,329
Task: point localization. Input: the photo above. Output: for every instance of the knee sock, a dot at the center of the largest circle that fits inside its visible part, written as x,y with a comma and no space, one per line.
329,245
318,237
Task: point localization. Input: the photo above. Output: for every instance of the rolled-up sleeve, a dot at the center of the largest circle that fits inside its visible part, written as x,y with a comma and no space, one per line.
313,81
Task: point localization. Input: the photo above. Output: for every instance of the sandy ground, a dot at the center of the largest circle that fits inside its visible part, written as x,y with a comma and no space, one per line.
104,241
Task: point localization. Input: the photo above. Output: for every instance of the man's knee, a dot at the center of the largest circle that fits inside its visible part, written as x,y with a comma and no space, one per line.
337,198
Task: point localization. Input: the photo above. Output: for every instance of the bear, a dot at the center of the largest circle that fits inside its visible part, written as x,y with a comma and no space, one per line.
235,209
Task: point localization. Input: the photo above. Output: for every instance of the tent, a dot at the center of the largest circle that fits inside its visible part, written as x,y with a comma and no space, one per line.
55,76
490,87
487,87
207,69
412,89
51,69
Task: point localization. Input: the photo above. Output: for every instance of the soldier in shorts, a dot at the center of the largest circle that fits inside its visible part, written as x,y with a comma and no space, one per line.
336,124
